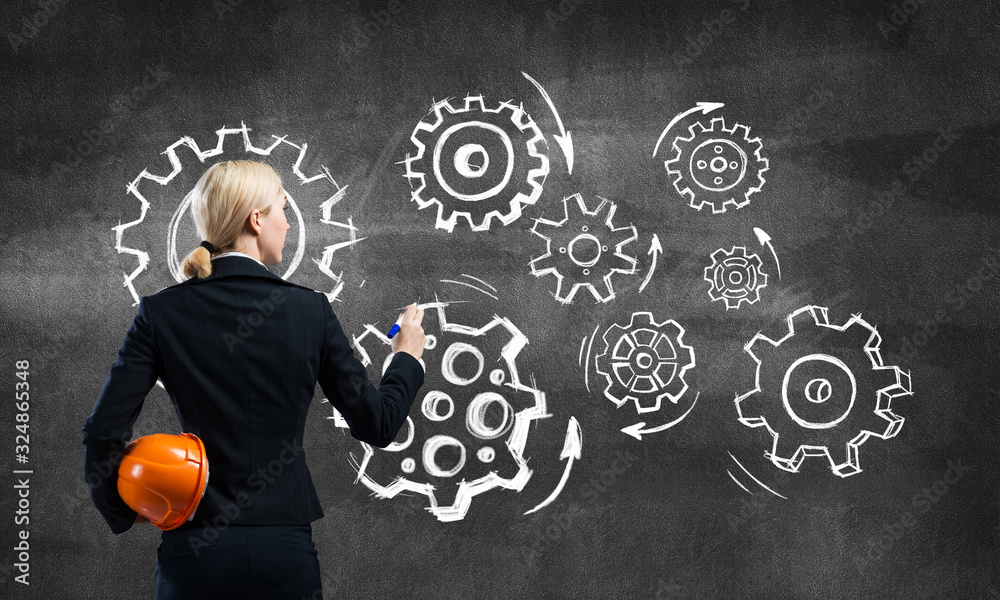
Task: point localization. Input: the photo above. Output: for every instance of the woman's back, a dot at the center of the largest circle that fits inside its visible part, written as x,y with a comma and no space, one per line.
241,358
240,353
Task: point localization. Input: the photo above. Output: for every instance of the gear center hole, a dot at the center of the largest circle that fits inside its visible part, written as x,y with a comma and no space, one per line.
471,160
818,390
585,250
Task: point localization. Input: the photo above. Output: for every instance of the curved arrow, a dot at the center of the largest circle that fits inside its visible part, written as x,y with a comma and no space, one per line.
765,240
704,107
570,451
637,430
564,140
654,249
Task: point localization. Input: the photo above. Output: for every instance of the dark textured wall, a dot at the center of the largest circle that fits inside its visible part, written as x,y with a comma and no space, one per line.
878,120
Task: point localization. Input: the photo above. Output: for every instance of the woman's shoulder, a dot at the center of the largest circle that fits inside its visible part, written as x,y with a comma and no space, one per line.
279,288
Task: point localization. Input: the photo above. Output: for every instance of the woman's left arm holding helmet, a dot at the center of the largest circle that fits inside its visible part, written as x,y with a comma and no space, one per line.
108,429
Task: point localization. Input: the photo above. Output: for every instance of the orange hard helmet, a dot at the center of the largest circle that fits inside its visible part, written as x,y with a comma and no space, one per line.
163,477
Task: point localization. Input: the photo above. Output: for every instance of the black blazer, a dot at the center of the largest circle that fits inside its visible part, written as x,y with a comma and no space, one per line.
240,353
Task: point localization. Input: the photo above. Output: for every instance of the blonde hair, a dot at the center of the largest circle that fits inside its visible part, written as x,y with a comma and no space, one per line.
222,200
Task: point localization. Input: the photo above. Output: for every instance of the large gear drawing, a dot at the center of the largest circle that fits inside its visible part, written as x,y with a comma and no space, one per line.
324,182
817,408
477,163
717,166
645,362
584,244
735,277
452,402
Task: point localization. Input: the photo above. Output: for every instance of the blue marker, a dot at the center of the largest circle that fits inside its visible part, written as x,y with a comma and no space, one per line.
395,328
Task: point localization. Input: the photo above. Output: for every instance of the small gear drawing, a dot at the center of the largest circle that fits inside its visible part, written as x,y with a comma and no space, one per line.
735,277
453,403
817,408
645,362
477,163
584,245
717,166
321,183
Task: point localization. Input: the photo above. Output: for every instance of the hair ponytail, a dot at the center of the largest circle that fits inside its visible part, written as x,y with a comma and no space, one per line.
198,263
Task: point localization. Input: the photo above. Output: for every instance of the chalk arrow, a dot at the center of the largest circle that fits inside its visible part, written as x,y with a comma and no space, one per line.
654,249
570,452
765,240
637,430
704,107
563,139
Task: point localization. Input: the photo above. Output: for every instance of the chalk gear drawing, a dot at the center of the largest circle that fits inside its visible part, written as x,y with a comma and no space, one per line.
484,418
645,362
320,185
822,403
477,163
717,166
735,277
589,250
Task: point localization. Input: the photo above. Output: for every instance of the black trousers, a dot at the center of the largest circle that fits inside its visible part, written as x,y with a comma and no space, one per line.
266,562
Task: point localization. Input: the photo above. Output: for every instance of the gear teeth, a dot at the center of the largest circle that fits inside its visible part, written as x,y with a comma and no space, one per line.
693,132
902,387
663,379
619,401
673,390
851,467
617,329
738,193
806,317
750,410
789,462
437,110
759,344
516,440
886,395
641,319
743,131
882,423
789,454
716,209
543,263
753,279
227,144
432,191
617,262
523,121
790,447
475,103
895,424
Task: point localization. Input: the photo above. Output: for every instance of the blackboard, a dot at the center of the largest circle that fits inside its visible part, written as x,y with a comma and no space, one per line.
854,151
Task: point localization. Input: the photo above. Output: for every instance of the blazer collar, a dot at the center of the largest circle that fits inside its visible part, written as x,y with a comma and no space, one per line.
230,266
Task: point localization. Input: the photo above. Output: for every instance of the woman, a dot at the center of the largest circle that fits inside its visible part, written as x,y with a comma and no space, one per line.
239,351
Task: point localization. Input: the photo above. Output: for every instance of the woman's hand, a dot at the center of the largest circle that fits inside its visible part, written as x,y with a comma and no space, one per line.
410,338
